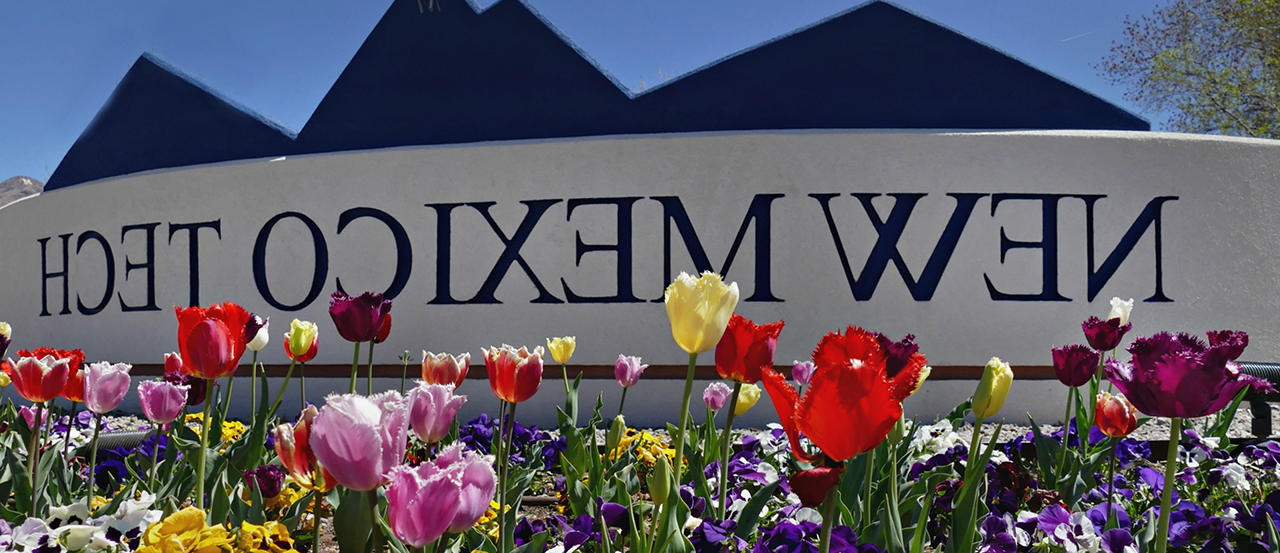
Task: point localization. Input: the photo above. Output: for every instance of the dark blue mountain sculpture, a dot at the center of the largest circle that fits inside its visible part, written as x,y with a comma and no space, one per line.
462,75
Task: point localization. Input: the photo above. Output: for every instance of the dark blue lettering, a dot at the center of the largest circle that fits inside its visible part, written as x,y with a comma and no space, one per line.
511,252
886,246
193,251
45,275
404,250
149,266
110,260
759,211
622,247
1149,218
1048,246
318,275
444,227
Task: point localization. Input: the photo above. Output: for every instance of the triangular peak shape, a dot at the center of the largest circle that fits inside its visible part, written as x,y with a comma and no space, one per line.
458,75
159,117
875,66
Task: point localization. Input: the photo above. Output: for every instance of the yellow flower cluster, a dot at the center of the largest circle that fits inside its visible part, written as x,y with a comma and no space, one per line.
271,537
285,499
185,532
646,447
231,430
489,520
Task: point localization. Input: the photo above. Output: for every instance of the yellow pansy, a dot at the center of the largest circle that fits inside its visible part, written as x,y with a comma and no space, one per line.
185,532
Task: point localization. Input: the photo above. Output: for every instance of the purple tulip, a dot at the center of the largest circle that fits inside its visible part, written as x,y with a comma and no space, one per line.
716,395
269,479
162,402
105,385
1104,335
358,318
802,372
627,370
897,354
197,388
360,439
1179,376
432,408
1075,365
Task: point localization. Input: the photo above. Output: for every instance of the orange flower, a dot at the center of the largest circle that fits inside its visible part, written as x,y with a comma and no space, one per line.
211,340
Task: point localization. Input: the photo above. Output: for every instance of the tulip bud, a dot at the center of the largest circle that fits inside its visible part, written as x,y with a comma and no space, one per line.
302,335
6,335
660,480
699,310
257,332
1120,309
992,389
747,397
627,370
172,363
616,431
561,348
897,432
802,372
384,329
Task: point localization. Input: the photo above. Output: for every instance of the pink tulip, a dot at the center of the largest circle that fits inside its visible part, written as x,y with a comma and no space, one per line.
29,416
627,370
432,408
162,402
105,385
716,395
802,372
421,501
479,483
360,439
449,494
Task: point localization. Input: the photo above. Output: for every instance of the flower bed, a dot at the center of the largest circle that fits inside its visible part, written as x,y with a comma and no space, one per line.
843,471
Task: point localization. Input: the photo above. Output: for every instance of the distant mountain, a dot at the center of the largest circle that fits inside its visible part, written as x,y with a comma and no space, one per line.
17,188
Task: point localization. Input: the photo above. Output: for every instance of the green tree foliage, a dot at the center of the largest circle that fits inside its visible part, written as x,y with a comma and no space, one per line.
1213,65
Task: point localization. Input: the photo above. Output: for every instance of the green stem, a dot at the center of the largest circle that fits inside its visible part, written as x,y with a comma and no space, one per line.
368,380
828,520
1066,425
155,449
684,423
71,420
893,490
507,440
726,441
573,417
33,456
302,385
376,535
1166,497
623,401
404,375
974,443
355,363
1111,488
253,387
280,394
204,446
866,492
441,543
315,520
93,461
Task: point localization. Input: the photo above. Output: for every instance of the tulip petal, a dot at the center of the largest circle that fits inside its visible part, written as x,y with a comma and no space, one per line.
784,399
848,411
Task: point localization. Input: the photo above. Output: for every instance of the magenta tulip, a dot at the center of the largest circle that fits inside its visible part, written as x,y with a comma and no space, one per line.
716,395
360,439
1180,376
162,402
105,385
478,481
802,372
421,502
1075,365
29,416
358,318
1104,335
627,370
432,408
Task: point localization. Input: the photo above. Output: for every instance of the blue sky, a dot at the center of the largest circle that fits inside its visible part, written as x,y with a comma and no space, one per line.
59,61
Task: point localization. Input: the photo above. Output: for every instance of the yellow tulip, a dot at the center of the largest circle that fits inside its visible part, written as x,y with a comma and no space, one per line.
992,389
747,397
699,310
301,335
4,380
561,348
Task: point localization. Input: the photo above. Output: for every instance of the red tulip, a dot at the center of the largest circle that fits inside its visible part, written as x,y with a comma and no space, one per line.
74,390
902,363
211,339
850,404
812,485
514,375
40,380
1117,417
384,329
293,447
745,349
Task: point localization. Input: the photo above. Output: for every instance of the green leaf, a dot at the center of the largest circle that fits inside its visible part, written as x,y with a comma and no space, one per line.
353,523
749,517
537,542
